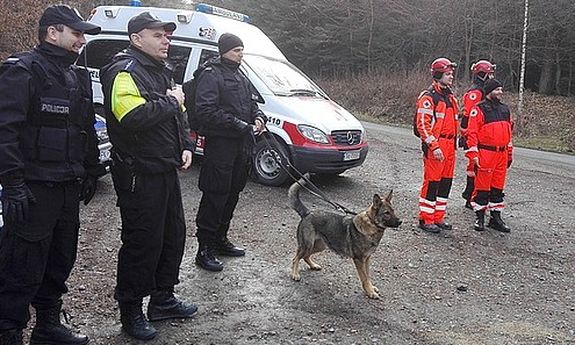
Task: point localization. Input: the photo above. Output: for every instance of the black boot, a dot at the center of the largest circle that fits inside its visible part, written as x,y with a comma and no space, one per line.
49,330
227,248
205,259
11,337
429,227
164,305
467,193
443,225
495,222
479,221
134,322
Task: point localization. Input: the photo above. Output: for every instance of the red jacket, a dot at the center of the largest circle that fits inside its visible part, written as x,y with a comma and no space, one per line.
490,127
435,119
473,96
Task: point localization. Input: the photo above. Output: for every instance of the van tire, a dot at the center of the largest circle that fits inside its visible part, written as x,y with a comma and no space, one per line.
265,167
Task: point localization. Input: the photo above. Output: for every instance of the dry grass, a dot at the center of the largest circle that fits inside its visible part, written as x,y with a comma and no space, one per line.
548,124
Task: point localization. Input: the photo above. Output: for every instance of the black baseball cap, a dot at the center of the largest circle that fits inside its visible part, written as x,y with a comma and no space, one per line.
66,15
146,20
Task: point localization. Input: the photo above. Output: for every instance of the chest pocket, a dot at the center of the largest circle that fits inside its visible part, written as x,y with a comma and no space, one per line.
231,85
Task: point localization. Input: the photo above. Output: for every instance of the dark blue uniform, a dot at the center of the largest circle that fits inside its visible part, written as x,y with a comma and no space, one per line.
147,150
226,107
48,142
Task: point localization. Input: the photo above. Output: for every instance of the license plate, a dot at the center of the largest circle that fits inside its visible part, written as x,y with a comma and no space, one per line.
351,155
104,155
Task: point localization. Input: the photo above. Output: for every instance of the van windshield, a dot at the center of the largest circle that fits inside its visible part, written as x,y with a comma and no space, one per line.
282,78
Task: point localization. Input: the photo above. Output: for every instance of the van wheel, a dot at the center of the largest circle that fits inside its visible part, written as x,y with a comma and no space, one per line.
267,163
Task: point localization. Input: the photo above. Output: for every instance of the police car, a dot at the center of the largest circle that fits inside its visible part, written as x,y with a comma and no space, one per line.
104,143
309,129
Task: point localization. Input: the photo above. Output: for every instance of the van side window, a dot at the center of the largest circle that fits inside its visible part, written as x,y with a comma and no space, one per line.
100,52
178,57
207,55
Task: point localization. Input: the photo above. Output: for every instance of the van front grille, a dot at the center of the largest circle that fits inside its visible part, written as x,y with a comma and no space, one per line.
346,138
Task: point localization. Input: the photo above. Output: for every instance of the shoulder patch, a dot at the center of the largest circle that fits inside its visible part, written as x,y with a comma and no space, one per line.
473,112
426,104
129,66
473,96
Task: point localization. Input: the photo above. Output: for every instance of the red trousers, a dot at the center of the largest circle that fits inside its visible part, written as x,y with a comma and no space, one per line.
490,180
437,179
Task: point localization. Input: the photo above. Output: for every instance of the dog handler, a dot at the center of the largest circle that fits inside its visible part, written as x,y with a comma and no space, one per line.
227,109
489,139
436,124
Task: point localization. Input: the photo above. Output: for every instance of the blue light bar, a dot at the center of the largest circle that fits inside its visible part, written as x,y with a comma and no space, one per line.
135,3
218,11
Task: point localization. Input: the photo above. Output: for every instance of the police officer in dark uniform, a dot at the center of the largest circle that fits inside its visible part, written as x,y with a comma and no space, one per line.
229,118
145,119
48,163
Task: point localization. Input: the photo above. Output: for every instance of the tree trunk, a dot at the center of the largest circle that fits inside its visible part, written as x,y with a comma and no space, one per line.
557,73
545,79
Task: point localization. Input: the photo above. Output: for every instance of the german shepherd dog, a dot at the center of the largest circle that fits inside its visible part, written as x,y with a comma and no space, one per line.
354,237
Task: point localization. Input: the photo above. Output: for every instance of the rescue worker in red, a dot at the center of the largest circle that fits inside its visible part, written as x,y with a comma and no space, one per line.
489,139
481,71
436,125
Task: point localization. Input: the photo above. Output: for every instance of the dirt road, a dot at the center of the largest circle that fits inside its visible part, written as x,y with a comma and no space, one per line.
457,287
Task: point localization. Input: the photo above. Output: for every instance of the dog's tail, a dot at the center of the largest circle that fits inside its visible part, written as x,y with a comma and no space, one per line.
294,200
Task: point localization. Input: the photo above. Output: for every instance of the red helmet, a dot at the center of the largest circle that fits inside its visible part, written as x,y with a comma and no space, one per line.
482,66
442,65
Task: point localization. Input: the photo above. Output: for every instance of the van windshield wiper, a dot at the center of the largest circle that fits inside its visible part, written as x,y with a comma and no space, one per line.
294,92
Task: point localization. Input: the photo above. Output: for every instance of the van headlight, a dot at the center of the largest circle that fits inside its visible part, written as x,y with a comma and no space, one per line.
313,134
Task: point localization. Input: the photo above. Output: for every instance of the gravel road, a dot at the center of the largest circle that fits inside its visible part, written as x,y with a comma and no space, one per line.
456,287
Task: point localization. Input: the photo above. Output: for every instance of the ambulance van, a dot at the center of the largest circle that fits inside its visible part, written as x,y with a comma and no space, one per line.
312,131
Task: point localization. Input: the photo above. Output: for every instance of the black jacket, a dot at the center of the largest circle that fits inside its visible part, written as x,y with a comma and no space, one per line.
46,117
226,101
153,134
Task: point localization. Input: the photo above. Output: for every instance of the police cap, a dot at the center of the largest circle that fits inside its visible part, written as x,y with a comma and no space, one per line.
66,15
146,20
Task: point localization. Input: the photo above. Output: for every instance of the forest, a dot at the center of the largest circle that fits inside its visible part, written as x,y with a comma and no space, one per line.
373,56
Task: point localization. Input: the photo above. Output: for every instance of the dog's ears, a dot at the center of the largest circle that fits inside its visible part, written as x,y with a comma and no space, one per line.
389,196
377,201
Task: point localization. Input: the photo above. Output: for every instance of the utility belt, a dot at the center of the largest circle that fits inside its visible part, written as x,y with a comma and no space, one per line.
447,136
492,148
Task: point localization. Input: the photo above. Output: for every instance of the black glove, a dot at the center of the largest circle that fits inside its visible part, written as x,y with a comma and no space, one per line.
462,142
16,199
89,186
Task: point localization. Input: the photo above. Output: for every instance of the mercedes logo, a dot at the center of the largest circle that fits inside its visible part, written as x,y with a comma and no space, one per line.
350,139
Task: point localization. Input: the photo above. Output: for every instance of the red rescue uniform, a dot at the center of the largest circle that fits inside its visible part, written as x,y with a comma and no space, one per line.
473,96
436,124
489,137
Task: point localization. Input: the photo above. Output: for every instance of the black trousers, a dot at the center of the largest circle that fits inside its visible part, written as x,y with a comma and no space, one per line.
153,232
223,176
37,257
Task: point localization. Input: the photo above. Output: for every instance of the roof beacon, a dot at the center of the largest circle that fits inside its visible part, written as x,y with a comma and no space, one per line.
209,9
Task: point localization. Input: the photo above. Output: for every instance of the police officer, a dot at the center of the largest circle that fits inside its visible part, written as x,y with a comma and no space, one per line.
490,149
436,125
48,163
144,117
481,71
229,115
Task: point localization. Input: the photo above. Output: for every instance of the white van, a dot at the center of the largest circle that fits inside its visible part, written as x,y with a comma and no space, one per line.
317,134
